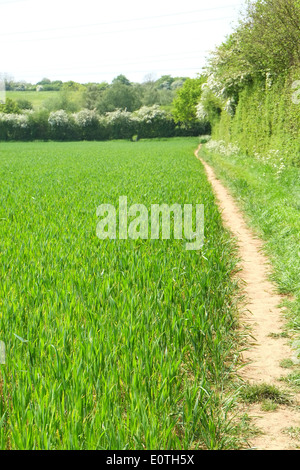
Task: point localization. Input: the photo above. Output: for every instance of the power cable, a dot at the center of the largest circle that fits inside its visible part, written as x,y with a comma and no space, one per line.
99,33
132,20
125,62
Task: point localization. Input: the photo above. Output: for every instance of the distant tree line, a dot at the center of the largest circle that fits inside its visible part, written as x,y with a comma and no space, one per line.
105,97
99,111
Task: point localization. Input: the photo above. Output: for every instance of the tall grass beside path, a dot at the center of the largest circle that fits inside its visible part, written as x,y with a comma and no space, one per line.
269,194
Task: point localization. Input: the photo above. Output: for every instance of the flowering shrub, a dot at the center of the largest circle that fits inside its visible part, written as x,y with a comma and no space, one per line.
147,122
89,125
15,120
13,126
119,124
149,114
209,107
248,96
201,112
86,118
59,119
61,125
152,121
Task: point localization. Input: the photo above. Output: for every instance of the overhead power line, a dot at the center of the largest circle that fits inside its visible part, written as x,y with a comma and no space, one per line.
184,56
109,23
143,28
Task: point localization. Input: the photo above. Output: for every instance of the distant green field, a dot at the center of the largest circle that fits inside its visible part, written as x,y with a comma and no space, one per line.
111,344
39,98
35,97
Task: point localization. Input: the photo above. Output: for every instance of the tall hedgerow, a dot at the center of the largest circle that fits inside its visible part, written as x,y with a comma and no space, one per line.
89,125
249,81
153,121
147,122
14,126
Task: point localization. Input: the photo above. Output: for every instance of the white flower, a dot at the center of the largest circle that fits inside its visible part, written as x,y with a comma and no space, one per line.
201,113
149,113
219,146
85,117
118,114
16,120
58,118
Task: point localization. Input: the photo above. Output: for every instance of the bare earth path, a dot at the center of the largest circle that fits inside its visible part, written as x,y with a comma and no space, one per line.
266,349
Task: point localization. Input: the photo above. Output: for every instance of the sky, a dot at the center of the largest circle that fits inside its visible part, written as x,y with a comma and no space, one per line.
95,41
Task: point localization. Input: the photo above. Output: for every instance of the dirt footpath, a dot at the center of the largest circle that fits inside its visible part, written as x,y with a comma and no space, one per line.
266,348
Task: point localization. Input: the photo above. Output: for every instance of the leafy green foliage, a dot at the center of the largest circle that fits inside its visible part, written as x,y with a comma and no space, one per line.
118,96
187,98
10,107
114,103
86,124
153,122
92,94
268,191
248,98
121,79
65,100
270,36
24,104
275,127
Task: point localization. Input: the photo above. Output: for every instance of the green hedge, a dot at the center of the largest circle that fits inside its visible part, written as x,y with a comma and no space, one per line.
266,118
60,125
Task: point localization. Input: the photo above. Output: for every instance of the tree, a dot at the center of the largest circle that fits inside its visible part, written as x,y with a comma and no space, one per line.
44,81
270,35
165,82
187,98
121,79
228,71
24,104
150,94
10,107
118,96
72,86
63,100
92,94
264,46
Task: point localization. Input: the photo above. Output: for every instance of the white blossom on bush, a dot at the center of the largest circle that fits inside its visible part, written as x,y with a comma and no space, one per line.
59,118
149,113
118,115
86,117
15,120
201,112
229,106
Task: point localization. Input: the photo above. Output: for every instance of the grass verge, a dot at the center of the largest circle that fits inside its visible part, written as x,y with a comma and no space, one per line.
270,199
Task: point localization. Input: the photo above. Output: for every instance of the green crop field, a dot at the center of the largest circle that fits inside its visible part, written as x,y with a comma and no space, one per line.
111,344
